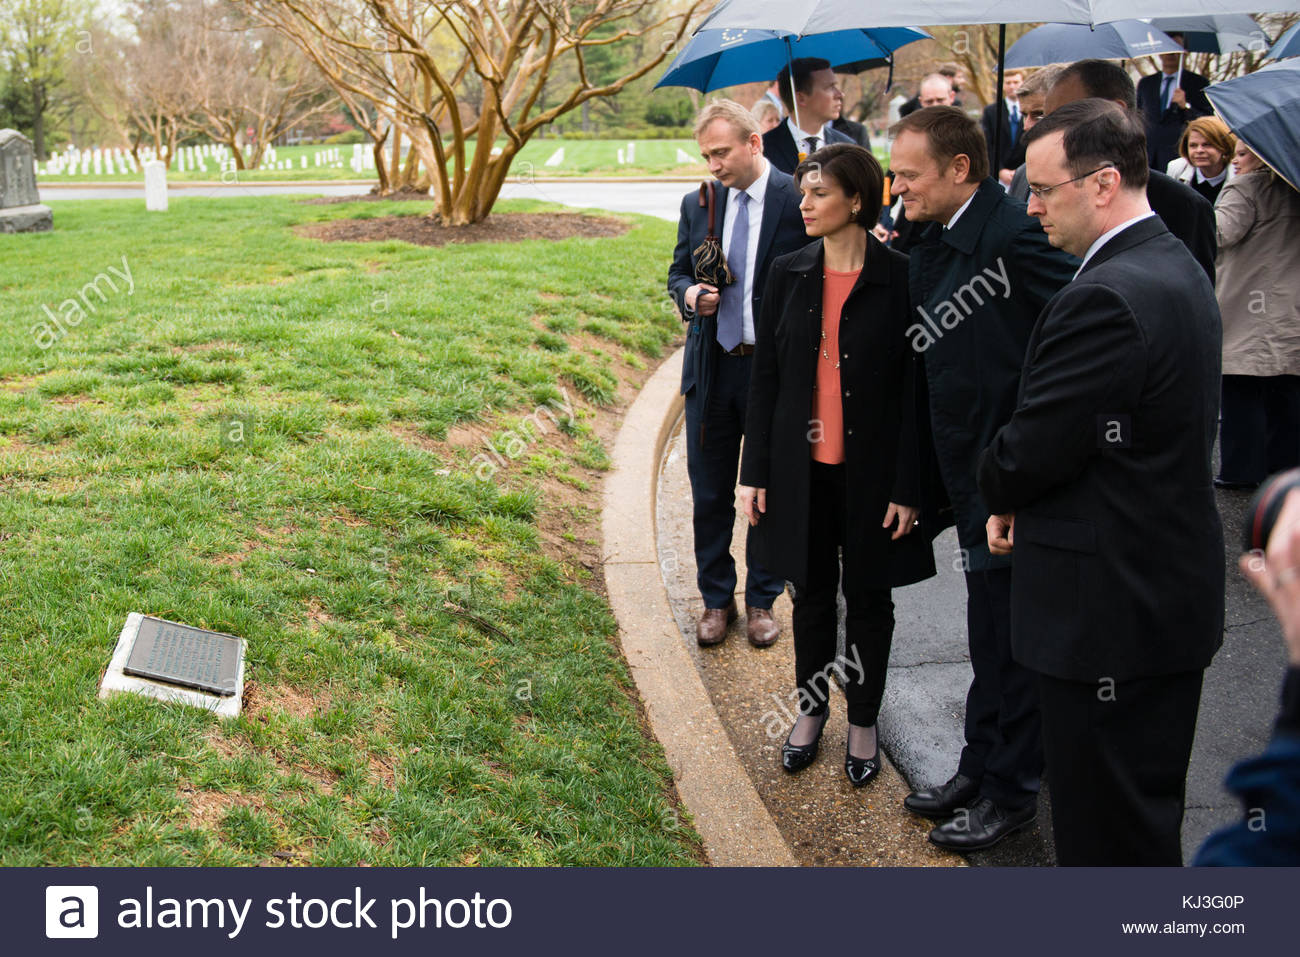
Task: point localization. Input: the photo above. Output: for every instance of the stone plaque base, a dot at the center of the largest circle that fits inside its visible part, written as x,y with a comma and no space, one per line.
26,219
117,680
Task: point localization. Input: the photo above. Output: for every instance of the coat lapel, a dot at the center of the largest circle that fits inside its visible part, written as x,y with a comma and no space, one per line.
1140,232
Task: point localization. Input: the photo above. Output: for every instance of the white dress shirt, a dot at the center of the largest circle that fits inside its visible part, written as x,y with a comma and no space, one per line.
960,209
757,190
1107,236
801,138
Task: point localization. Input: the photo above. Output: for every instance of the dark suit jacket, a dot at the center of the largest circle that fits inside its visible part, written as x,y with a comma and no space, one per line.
1011,156
781,232
854,130
972,333
1117,569
1190,221
1165,126
780,150
882,457
1188,215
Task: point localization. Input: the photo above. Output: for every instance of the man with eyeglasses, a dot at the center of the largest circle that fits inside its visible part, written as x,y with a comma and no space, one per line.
1100,487
815,96
1186,213
979,276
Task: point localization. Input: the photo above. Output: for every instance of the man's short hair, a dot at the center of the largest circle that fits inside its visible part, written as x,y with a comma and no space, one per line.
1040,81
948,133
1103,80
742,121
950,70
857,172
1098,133
804,67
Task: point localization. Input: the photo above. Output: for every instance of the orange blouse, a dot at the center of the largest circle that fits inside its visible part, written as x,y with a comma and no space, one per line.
826,432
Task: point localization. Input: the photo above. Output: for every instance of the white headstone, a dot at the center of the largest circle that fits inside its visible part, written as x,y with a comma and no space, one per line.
155,186
631,152
684,157
556,158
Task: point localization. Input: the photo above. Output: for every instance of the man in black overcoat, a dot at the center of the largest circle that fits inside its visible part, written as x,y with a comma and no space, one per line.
1100,487
756,215
979,277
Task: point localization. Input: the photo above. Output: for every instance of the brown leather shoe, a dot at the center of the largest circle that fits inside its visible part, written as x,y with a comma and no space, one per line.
762,627
711,629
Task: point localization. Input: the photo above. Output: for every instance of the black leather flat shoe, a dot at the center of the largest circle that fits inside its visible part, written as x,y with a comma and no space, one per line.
861,770
796,757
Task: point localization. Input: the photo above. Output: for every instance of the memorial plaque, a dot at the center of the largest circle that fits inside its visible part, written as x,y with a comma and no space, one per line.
183,655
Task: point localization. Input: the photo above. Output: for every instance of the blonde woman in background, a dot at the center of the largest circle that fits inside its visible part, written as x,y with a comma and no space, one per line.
1205,150
767,113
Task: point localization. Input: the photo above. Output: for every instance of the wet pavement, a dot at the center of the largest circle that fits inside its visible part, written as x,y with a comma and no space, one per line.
824,819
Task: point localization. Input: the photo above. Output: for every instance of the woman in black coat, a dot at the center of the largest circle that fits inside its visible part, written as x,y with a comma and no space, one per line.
832,453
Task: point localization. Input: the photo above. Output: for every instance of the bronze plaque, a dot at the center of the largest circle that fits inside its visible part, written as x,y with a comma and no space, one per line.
183,655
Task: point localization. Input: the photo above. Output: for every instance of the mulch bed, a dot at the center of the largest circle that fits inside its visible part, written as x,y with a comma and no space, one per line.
500,228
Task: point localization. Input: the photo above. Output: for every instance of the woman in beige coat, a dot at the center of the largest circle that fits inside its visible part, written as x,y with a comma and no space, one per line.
1258,216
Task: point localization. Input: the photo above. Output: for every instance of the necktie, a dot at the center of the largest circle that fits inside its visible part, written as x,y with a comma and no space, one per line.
813,143
1166,91
731,310
1015,123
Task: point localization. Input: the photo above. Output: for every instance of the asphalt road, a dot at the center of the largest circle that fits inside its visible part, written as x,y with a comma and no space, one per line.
662,199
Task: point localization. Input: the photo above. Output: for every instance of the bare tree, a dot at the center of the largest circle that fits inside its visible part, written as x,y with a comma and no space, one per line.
416,63
243,78
136,86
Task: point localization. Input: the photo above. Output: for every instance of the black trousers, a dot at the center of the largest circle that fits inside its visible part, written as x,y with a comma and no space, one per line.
1259,426
713,465
1117,759
1004,749
869,619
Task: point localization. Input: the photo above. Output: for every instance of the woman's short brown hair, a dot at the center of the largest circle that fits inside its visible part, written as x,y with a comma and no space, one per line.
1214,131
856,171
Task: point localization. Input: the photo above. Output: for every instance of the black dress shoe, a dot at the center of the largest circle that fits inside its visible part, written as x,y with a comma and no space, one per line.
982,826
861,770
957,792
796,757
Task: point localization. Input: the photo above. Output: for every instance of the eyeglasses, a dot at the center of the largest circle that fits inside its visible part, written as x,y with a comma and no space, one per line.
1042,191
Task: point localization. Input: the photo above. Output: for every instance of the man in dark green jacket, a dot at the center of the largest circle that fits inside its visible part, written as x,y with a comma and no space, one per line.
980,275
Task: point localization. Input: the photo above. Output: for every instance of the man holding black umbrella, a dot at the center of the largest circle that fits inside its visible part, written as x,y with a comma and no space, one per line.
756,216
1168,101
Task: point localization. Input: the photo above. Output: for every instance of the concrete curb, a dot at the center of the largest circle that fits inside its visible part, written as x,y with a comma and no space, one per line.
729,815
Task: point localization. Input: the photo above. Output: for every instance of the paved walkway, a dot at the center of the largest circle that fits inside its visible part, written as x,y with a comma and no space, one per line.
661,198
921,722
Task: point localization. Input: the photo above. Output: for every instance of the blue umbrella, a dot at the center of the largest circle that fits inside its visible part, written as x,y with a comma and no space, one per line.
1288,44
1216,33
1067,42
717,58
1263,110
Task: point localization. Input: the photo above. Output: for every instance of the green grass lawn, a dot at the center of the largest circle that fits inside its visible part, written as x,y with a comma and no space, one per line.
434,679
581,157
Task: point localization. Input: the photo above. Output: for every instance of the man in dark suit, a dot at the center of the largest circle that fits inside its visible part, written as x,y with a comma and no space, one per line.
1184,211
1168,101
1004,164
980,274
757,218
816,98
1102,482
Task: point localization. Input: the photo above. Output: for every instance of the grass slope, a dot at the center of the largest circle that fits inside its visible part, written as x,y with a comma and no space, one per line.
433,682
